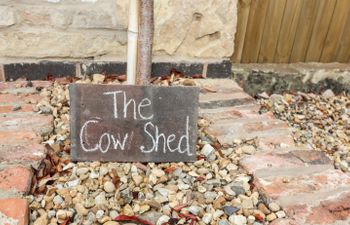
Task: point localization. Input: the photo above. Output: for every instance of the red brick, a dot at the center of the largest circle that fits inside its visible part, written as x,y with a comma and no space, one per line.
19,99
31,153
229,113
15,179
228,130
218,85
10,137
279,189
16,84
35,122
15,208
282,160
213,97
284,222
9,108
275,141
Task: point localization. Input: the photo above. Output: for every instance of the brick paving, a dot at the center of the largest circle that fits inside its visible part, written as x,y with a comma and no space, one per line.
303,182
20,146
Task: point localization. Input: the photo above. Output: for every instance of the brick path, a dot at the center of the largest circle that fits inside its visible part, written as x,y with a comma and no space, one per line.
20,148
304,182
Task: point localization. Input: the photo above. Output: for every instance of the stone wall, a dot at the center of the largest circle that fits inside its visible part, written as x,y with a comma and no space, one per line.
97,29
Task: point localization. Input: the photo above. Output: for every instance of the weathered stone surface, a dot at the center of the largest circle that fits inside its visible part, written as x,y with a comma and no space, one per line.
133,123
73,44
102,15
81,29
7,16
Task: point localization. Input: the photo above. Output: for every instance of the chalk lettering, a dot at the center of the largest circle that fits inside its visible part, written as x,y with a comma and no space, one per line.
115,105
106,140
137,108
156,137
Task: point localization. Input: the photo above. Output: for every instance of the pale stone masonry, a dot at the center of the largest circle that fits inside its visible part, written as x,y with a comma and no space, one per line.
97,29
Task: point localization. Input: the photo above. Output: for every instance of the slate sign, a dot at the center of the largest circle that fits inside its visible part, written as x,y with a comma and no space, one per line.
133,123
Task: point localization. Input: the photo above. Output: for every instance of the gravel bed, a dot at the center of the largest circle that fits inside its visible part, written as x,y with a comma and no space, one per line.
212,190
321,122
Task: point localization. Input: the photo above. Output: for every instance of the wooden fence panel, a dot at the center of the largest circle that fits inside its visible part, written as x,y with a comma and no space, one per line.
304,30
286,31
320,30
255,28
343,51
243,15
335,30
271,30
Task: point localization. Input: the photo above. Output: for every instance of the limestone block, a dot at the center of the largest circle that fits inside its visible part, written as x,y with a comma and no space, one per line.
7,16
61,44
74,16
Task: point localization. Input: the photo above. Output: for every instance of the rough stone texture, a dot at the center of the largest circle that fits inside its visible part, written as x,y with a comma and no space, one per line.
306,77
7,16
81,29
14,210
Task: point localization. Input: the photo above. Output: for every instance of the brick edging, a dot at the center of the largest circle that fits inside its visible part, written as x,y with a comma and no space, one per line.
41,70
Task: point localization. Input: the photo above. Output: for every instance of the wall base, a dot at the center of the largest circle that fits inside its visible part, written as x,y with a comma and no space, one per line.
42,70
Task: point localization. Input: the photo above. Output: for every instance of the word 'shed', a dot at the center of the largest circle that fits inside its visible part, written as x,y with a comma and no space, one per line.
133,123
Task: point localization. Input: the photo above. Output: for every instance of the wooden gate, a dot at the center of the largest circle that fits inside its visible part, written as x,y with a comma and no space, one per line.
287,31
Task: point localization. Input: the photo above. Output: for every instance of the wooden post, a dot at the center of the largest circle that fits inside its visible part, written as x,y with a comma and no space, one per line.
145,41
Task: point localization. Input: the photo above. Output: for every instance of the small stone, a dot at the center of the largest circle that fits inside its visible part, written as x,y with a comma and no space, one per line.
271,217
247,203
98,78
274,207
113,214
99,214
163,219
248,149
57,200
344,165
207,218
280,214
111,223
82,171
194,209
51,214
223,222
238,189
229,210
189,82
228,190
137,179
328,94
238,219
61,215
16,107
144,208
263,208
183,186
127,210
81,210
250,219
103,170
108,187
207,150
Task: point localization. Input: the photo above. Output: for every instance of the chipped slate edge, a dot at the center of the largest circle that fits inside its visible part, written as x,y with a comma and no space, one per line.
44,69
